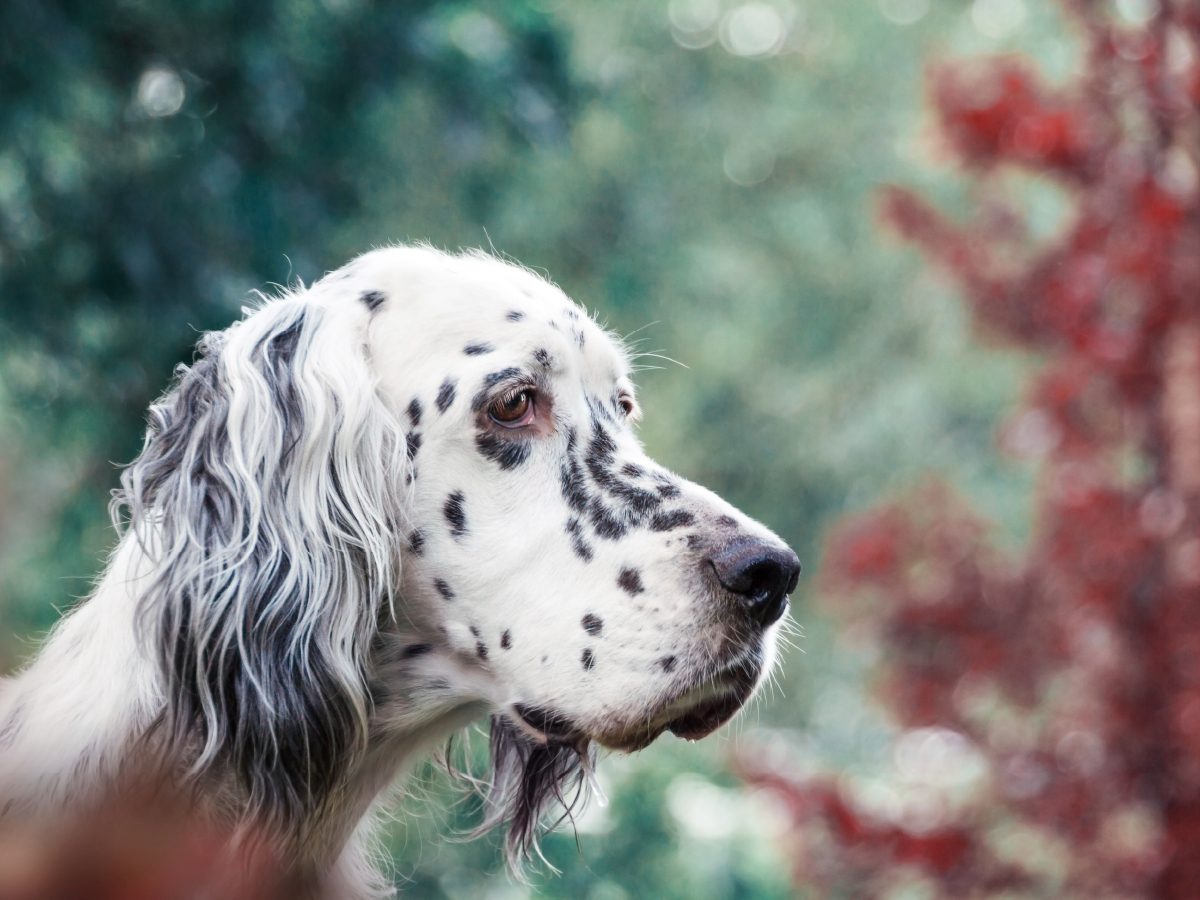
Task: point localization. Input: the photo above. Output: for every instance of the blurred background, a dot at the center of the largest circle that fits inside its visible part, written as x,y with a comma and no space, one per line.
704,174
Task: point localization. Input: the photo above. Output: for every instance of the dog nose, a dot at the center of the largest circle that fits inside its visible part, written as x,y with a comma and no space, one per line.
761,574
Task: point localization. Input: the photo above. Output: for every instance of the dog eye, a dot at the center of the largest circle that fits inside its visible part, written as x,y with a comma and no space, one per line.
626,403
513,410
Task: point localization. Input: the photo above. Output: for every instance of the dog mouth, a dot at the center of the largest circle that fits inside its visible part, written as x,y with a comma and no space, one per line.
691,715
701,718
547,726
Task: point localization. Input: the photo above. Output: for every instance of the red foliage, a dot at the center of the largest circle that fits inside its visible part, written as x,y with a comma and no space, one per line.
1070,678
997,112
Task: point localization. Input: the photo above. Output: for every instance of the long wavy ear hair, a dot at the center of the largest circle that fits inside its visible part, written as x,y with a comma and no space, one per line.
267,498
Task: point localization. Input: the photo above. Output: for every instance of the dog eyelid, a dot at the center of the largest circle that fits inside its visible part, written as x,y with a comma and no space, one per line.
627,403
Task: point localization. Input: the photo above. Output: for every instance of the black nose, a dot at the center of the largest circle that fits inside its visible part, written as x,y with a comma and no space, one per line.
761,574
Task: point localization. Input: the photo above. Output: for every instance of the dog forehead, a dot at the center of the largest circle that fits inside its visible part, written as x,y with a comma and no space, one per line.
463,316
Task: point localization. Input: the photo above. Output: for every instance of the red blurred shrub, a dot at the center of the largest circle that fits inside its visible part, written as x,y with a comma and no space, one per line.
1066,684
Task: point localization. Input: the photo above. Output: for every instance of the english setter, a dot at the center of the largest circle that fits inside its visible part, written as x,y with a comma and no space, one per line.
370,513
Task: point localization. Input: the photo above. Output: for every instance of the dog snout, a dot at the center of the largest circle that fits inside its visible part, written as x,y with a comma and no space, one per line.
760,574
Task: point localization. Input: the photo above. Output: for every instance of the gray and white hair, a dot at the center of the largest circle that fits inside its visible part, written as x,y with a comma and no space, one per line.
276,550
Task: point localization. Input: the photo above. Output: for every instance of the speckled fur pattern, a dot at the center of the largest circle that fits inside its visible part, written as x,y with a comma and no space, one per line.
333,557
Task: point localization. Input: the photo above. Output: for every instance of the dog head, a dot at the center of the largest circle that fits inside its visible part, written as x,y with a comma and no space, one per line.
448,509
598,594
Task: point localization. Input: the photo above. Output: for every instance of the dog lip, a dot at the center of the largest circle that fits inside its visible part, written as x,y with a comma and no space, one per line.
546,725
703,714
705,718
709,705
552,728
691,714
695,712
633,741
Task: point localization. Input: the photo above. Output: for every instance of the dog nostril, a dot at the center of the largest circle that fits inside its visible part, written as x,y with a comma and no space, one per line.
762,574
764,578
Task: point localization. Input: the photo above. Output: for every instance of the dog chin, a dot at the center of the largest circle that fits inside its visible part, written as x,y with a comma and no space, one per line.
691,715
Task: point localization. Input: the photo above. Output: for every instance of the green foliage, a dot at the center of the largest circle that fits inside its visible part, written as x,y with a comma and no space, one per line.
159,161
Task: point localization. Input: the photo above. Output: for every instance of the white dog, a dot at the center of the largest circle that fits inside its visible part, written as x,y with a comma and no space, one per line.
373,511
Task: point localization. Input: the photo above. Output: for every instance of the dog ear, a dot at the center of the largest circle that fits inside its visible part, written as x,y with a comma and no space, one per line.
267,498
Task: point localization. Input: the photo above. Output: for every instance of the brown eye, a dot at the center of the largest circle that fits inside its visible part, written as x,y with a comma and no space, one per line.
626,404
513,410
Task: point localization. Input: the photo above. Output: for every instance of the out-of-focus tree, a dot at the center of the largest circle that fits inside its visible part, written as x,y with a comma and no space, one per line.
1052,701
160,160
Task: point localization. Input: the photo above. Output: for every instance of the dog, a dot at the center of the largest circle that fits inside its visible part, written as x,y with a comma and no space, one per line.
372,512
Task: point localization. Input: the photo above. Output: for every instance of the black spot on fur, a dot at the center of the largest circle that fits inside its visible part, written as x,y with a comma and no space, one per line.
543,358
600,449
414,412
588,659
509,454
694,541
481,650
668,663
604,522
412,651
592,624
445,395
416,542
373,299
571,478
495,378
455,515
478,349
505,640
443,589
572,314
620,505
474,630
727,521
515,316
578,544
598,409
599,461
414,444
579,339
667,490
630,581
676,518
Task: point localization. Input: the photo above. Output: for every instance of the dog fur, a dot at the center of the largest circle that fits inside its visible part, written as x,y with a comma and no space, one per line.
335,553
